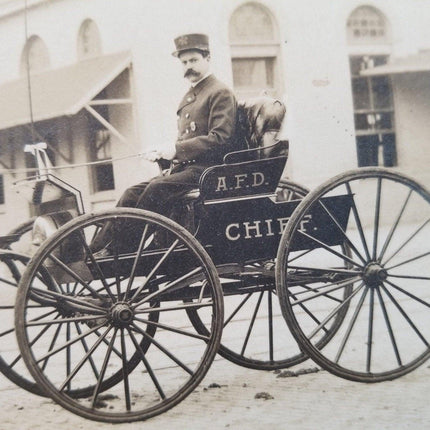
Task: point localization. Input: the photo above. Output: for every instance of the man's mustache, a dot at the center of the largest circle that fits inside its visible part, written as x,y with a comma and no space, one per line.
190,72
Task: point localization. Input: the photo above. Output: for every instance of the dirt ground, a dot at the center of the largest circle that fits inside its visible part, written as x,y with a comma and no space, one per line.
232,397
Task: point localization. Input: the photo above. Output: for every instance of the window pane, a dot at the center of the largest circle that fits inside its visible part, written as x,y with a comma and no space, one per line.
389,150
361,122
1,190
360,93
253,73
384,121
367,150
104,177
381,88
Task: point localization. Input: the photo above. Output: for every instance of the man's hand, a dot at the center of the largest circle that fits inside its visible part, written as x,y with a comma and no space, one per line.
152,156
157,154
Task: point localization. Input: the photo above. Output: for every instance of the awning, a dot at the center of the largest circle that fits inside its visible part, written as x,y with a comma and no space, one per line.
58,92
416,63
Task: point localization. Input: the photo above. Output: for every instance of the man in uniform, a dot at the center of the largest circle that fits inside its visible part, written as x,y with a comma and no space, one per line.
206,126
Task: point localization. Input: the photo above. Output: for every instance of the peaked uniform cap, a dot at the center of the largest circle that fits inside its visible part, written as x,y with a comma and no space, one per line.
187,42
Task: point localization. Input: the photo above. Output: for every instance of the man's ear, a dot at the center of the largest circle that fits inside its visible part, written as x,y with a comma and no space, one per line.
208,58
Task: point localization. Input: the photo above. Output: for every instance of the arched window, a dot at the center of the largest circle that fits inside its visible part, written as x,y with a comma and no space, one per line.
369,40
367,25
89,43
35,55
254,43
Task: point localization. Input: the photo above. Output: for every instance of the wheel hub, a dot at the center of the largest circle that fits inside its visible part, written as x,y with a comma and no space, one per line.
373,274
121,314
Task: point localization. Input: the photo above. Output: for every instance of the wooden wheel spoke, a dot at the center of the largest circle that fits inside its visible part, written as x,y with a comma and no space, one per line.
389,327
358,222
376,219
342,231
125,379
351,324
182,281
147,365
270,322
370,330
327,289
410,260
407,293
97,388
233,314
251,323
73,274
72,373
173,329
95,264
87,349
408,240
406,316
333,313
394,227
329,249
183,306
154,271
136,261
163,349
68,343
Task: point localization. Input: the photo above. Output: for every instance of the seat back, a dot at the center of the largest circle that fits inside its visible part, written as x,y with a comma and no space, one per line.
258,122
257,168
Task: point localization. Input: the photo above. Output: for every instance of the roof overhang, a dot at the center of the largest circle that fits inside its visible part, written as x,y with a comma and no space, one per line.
417,63
60,92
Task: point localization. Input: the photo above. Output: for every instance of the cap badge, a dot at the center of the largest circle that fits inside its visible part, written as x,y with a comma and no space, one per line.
182,41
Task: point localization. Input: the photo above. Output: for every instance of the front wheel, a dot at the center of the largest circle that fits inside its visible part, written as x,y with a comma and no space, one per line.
381,286
106,335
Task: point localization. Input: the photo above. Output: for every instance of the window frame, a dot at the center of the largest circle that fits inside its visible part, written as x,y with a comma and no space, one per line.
255,49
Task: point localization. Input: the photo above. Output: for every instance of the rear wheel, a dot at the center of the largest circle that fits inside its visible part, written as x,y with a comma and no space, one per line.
255,334
381,288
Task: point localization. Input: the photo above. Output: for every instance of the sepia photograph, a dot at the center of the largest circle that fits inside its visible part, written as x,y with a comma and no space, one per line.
214,214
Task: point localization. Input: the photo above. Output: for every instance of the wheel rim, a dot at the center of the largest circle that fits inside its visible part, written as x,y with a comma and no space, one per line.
12,265
111,352
385,332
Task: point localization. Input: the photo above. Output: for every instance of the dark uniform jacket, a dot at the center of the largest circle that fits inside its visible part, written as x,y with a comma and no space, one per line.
206,123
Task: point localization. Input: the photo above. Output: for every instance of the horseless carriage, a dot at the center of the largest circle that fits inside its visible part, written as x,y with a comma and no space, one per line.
127,336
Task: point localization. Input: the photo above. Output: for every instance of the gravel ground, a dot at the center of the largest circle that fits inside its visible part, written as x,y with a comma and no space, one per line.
237,398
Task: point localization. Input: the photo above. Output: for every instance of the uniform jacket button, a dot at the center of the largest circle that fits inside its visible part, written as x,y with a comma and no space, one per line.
187,115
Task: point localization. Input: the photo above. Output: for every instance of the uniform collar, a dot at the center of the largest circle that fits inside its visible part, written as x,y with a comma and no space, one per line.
191,94
193,85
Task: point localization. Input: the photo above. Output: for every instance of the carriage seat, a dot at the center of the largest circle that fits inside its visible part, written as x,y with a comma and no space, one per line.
258,122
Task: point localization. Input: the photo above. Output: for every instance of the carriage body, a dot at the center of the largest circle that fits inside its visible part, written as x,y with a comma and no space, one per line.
142,325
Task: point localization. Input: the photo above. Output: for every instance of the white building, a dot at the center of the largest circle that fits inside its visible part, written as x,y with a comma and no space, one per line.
102,84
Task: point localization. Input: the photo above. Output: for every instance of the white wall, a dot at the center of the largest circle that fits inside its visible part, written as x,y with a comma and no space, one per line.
314,64
412,98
